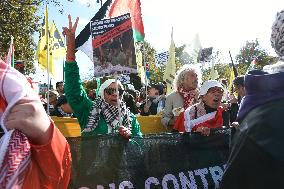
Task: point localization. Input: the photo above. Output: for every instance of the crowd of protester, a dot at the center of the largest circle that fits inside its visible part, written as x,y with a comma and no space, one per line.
193,106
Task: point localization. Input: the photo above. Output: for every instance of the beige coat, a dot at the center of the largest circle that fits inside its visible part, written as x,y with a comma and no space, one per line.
173,100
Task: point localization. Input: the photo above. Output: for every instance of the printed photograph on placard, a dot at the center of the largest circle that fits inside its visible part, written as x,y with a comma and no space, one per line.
113,46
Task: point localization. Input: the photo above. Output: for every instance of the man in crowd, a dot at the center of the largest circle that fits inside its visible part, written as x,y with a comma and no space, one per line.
206,114
184,95
53,96
239,88
60,87
150,108
62,108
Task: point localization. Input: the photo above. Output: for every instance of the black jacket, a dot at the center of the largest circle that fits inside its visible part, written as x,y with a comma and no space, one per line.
257,153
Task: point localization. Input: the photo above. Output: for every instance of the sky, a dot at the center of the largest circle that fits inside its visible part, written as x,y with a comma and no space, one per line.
222,24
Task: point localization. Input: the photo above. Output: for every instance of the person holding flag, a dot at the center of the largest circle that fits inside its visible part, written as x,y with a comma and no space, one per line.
101,115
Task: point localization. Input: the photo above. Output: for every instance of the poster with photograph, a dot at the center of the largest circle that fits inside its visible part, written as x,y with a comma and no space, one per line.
113,46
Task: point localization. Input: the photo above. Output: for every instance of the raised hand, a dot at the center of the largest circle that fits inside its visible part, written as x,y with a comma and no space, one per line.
71,29
69,32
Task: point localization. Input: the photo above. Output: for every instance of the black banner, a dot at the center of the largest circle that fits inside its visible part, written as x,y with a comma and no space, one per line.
154,161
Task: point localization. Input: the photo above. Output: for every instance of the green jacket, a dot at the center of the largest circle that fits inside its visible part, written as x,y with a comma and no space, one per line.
82,105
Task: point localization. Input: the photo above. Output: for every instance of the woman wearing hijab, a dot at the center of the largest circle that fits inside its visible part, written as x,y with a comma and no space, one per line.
100,116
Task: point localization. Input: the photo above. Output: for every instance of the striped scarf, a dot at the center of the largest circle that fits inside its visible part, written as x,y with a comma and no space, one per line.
110,114
15,154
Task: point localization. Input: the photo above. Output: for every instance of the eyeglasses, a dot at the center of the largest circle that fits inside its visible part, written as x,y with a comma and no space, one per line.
111,91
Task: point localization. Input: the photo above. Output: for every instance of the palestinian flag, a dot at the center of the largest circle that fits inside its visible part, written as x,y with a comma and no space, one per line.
120,7
112,8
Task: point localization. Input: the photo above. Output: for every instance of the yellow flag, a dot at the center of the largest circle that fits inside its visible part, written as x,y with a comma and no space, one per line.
57,47
139,62
43,45
170,70
232,77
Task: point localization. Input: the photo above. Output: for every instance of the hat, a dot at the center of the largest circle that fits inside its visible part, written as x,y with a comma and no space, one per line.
209,84
277,36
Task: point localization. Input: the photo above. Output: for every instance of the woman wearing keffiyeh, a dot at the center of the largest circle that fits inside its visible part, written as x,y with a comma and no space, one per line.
101,115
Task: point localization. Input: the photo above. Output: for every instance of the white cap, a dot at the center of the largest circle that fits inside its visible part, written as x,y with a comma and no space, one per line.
209,84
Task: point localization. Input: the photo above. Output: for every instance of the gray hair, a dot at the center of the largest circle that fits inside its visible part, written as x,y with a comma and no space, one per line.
180,76
277,35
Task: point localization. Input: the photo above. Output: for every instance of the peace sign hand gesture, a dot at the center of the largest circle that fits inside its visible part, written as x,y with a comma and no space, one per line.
70,39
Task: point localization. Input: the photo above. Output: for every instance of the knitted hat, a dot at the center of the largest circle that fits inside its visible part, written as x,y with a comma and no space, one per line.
277,35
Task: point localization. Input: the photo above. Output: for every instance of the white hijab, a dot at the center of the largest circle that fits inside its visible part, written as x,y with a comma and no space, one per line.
105,85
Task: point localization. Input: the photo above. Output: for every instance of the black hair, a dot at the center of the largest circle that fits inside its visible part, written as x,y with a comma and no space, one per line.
61,100
239,81
58,83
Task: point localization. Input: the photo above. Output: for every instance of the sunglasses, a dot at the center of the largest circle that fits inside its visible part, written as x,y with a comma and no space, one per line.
111,91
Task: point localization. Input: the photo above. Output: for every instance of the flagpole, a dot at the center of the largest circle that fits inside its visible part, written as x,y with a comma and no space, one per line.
63,63
233,65
146,80
118,101
12,46
47,58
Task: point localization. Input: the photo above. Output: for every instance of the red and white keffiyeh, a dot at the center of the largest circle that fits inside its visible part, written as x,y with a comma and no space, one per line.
15,152
190,97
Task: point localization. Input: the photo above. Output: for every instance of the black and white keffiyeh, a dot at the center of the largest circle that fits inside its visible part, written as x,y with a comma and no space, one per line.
110,114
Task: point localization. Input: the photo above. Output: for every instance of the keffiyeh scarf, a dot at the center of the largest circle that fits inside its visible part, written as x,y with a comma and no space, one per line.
15,151
110,114
196,116
189,97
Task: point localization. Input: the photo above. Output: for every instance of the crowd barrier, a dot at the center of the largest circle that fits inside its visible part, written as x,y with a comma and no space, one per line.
71,128
167,160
